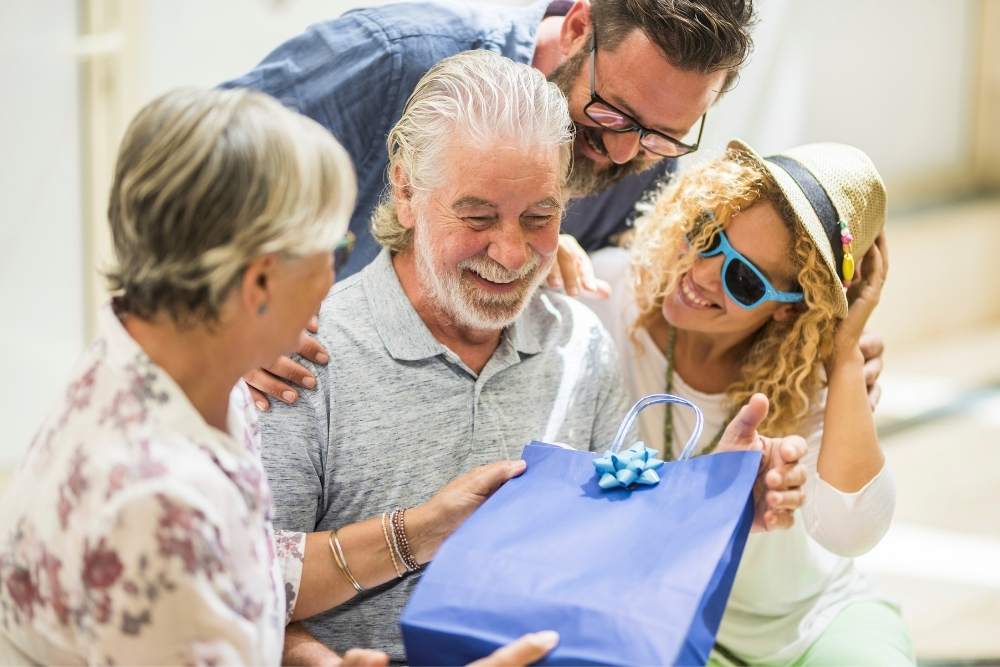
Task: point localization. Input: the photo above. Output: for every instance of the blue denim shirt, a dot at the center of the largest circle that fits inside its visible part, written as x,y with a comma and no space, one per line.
353,75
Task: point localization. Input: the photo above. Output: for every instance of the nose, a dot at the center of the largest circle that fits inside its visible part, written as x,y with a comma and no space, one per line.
706,271
509,246
621,146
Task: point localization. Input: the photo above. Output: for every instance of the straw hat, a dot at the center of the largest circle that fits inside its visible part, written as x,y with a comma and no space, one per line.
837,196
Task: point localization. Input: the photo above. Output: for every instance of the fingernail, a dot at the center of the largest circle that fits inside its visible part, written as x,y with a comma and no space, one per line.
322,358
308,382
288,396
547,638
261,405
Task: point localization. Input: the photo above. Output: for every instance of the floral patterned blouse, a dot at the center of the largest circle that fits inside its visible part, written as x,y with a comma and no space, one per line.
133,532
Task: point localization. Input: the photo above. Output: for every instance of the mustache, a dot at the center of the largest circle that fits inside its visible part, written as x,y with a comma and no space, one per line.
497,273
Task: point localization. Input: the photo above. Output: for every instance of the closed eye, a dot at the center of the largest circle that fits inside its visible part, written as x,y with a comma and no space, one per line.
537,221
480,220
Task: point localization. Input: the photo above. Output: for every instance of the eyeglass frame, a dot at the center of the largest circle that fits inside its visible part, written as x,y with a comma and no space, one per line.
636,126
771,293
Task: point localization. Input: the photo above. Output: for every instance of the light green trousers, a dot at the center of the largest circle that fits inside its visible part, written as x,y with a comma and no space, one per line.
863,634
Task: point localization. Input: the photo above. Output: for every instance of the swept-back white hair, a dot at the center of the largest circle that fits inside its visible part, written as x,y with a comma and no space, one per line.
478,97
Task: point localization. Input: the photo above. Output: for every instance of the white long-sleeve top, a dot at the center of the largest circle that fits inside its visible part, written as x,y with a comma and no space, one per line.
791,583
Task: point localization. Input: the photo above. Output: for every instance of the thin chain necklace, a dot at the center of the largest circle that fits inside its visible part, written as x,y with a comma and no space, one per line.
668,419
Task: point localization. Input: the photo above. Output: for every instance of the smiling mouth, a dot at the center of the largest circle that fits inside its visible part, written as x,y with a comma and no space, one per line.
690,296
496,285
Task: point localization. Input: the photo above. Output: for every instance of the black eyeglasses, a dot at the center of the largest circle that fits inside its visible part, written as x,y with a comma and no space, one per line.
611,118
342,251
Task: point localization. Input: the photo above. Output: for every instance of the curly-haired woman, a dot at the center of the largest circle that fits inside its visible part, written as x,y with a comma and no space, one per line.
737,282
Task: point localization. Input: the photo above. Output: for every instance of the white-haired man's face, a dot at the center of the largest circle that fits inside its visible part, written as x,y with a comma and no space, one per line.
485,239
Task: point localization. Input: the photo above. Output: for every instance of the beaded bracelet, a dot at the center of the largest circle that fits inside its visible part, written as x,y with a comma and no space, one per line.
389,544
398,519
395,542
341,560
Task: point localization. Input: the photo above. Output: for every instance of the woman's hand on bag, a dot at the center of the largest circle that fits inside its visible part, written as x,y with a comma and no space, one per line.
280,379
524,651
429,524
573,272
777,492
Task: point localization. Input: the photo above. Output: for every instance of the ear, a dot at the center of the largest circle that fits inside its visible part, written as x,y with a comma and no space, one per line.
786,312
256,285
575,32
402,194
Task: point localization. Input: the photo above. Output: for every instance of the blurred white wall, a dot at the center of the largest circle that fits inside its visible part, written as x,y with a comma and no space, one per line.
41,263
893,77
192,42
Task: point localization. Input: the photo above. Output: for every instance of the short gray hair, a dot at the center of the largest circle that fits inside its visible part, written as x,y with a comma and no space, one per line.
207,180
481,97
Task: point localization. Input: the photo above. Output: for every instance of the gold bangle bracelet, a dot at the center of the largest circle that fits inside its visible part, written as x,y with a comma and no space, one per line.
341,560
388,544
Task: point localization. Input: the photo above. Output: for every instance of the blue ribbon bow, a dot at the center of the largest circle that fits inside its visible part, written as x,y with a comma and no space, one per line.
636,465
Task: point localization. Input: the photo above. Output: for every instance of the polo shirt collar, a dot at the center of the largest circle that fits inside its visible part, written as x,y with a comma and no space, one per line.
404,334
522,334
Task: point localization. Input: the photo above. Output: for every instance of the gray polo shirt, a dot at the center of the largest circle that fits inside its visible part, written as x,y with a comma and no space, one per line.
396,415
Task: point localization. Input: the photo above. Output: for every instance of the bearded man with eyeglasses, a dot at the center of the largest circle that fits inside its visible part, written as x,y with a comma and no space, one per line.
660,64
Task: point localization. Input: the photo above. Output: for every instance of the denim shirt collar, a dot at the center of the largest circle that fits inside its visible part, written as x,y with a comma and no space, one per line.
516,31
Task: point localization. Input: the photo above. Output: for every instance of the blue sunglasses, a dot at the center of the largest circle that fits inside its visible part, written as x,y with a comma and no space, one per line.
743,282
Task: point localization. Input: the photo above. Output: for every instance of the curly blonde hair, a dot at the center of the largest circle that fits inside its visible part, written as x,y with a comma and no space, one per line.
785,358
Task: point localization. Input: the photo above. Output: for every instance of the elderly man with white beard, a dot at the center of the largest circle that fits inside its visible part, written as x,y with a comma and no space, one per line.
446,355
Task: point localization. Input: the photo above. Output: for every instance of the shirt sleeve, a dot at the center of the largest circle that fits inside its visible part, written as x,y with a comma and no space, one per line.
612,401
847,524
610,264
164,586
294,440
341,73
290,549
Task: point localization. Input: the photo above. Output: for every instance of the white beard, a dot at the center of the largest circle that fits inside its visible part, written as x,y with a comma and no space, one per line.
463,301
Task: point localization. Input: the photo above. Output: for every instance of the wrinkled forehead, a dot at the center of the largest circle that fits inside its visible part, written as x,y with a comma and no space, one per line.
500,172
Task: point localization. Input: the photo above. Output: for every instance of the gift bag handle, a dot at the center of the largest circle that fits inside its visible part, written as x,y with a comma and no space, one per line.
654,399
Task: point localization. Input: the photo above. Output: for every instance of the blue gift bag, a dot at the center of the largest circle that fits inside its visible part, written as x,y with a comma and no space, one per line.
627,577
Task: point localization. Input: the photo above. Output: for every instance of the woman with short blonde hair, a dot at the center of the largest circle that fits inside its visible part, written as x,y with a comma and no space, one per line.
138,529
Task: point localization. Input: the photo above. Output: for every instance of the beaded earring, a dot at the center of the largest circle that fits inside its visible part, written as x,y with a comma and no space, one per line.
846,240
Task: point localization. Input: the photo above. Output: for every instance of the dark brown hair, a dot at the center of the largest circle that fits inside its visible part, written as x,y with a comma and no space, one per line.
699,35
